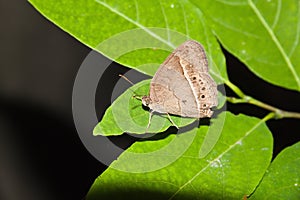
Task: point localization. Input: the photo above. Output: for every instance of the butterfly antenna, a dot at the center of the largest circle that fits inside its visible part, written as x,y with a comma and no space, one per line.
126,79
135,95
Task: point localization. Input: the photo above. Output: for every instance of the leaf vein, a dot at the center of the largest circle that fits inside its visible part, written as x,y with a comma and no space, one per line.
157,181
137,11
206,38
248,34
232,3
278,11
136,24
295,44
185,20
166,20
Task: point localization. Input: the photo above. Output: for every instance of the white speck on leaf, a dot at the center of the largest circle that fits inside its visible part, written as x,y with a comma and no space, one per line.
265,149
216,164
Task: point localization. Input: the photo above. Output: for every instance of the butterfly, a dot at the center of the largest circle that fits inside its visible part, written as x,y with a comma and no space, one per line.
182,85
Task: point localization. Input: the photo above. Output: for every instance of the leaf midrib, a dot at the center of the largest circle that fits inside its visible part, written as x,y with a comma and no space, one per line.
276,41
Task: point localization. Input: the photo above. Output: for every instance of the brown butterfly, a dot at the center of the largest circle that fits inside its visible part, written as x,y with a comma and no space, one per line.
182,85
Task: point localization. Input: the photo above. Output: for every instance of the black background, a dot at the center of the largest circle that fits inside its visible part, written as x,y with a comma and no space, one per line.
41,155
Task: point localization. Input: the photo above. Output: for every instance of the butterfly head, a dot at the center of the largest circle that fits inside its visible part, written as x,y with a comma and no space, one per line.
146,101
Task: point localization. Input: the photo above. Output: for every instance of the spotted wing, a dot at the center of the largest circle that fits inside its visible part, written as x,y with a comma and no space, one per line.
182,85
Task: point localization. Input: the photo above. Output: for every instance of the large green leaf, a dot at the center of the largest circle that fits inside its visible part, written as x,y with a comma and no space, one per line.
263,34
170,167
135,32
282,180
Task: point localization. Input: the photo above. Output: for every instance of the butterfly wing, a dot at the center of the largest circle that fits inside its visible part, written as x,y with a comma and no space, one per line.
181,81
170,92
193,53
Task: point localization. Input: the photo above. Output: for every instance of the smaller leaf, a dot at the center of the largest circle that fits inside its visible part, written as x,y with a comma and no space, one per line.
282,179
126,114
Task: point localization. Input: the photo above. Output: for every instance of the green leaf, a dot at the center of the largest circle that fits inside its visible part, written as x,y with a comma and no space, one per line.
126,114
263,34
282,179
170,167
135,32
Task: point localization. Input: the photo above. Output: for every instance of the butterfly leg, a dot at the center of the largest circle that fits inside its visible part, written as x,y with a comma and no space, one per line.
172,121
150,117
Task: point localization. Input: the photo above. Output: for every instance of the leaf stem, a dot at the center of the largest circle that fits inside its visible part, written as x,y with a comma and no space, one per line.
276,113
271,115
235,89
